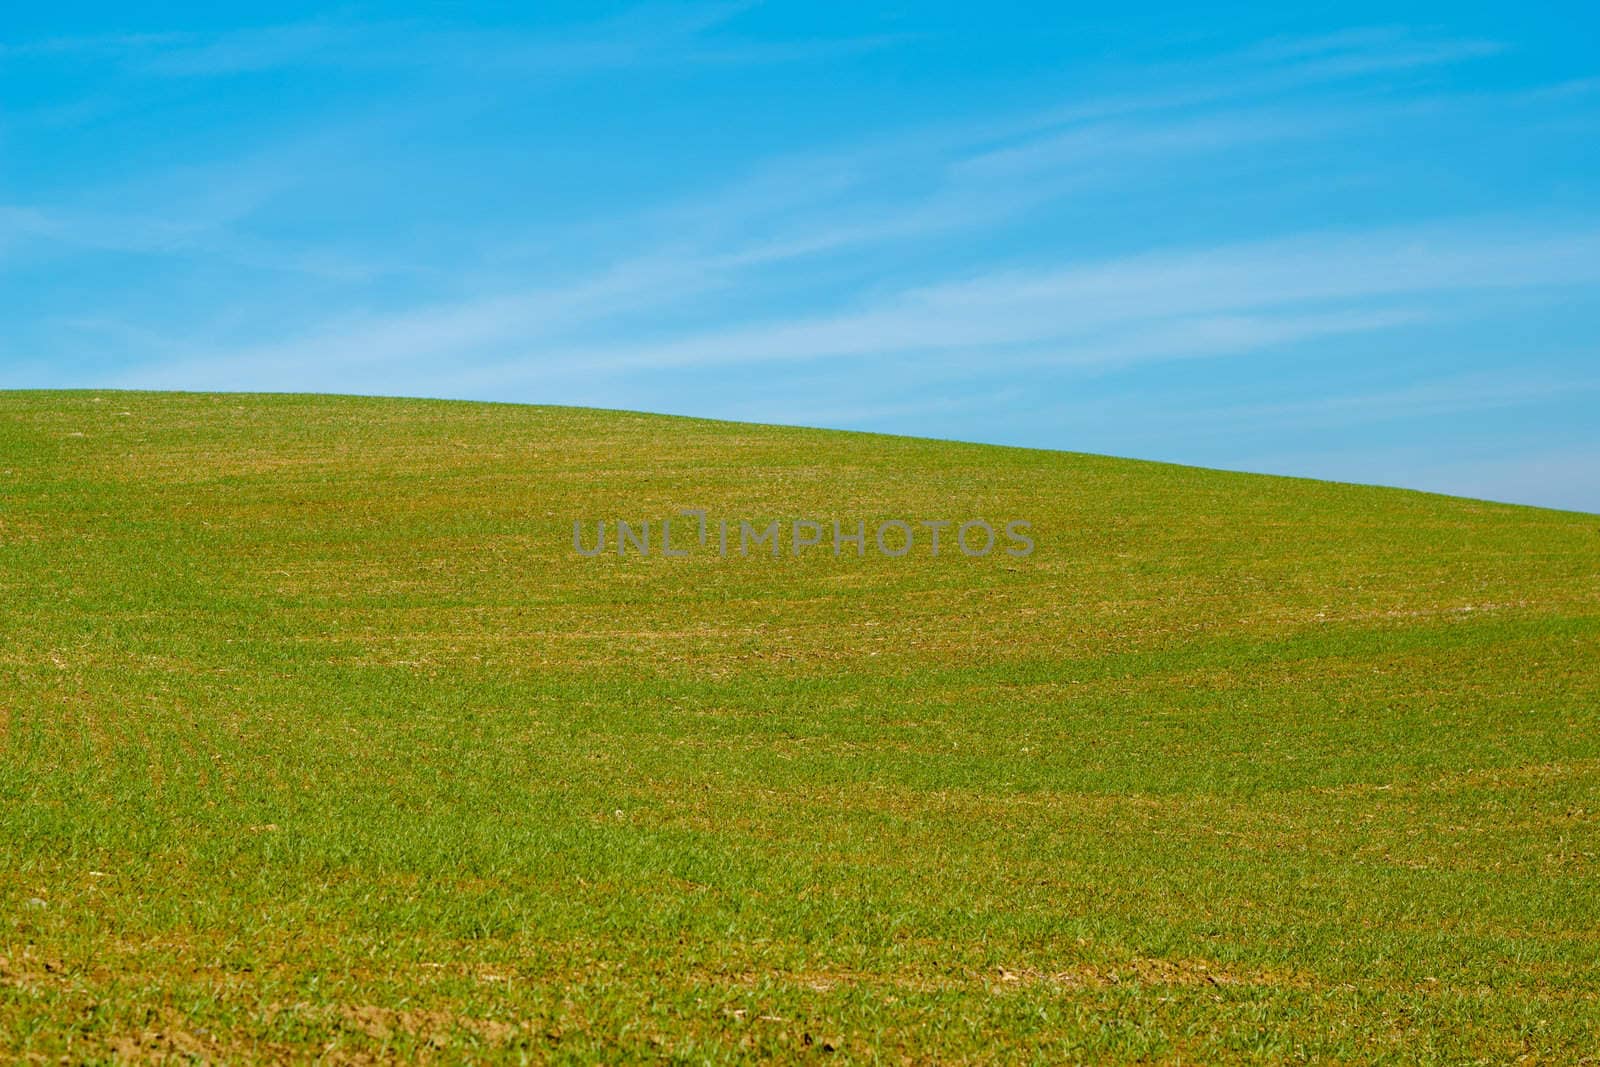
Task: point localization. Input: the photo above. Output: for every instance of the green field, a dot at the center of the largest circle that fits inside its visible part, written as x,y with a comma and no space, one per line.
319,741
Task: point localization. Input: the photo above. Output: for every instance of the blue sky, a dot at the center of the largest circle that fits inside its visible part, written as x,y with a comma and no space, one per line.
1360,243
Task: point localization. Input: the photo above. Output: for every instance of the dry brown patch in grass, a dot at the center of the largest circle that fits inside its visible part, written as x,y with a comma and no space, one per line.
169,1041
173,1043
1153,971
1532,774
1139,970
28,972
425,1033
431,1028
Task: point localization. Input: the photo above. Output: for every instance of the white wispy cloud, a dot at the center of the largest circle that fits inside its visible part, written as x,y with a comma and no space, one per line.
686,33
978,172
965,174
1203,302
1417,400
198,211
1101,307
437,339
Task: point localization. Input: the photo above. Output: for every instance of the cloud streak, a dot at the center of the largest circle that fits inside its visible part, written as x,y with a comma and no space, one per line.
1198,303
645,35
1099,306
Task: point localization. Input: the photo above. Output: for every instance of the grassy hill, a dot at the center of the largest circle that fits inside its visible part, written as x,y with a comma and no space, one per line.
318,738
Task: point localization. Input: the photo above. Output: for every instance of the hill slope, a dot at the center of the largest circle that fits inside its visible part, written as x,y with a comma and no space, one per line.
317,736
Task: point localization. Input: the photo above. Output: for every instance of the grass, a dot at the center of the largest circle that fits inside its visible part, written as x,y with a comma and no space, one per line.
319,741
